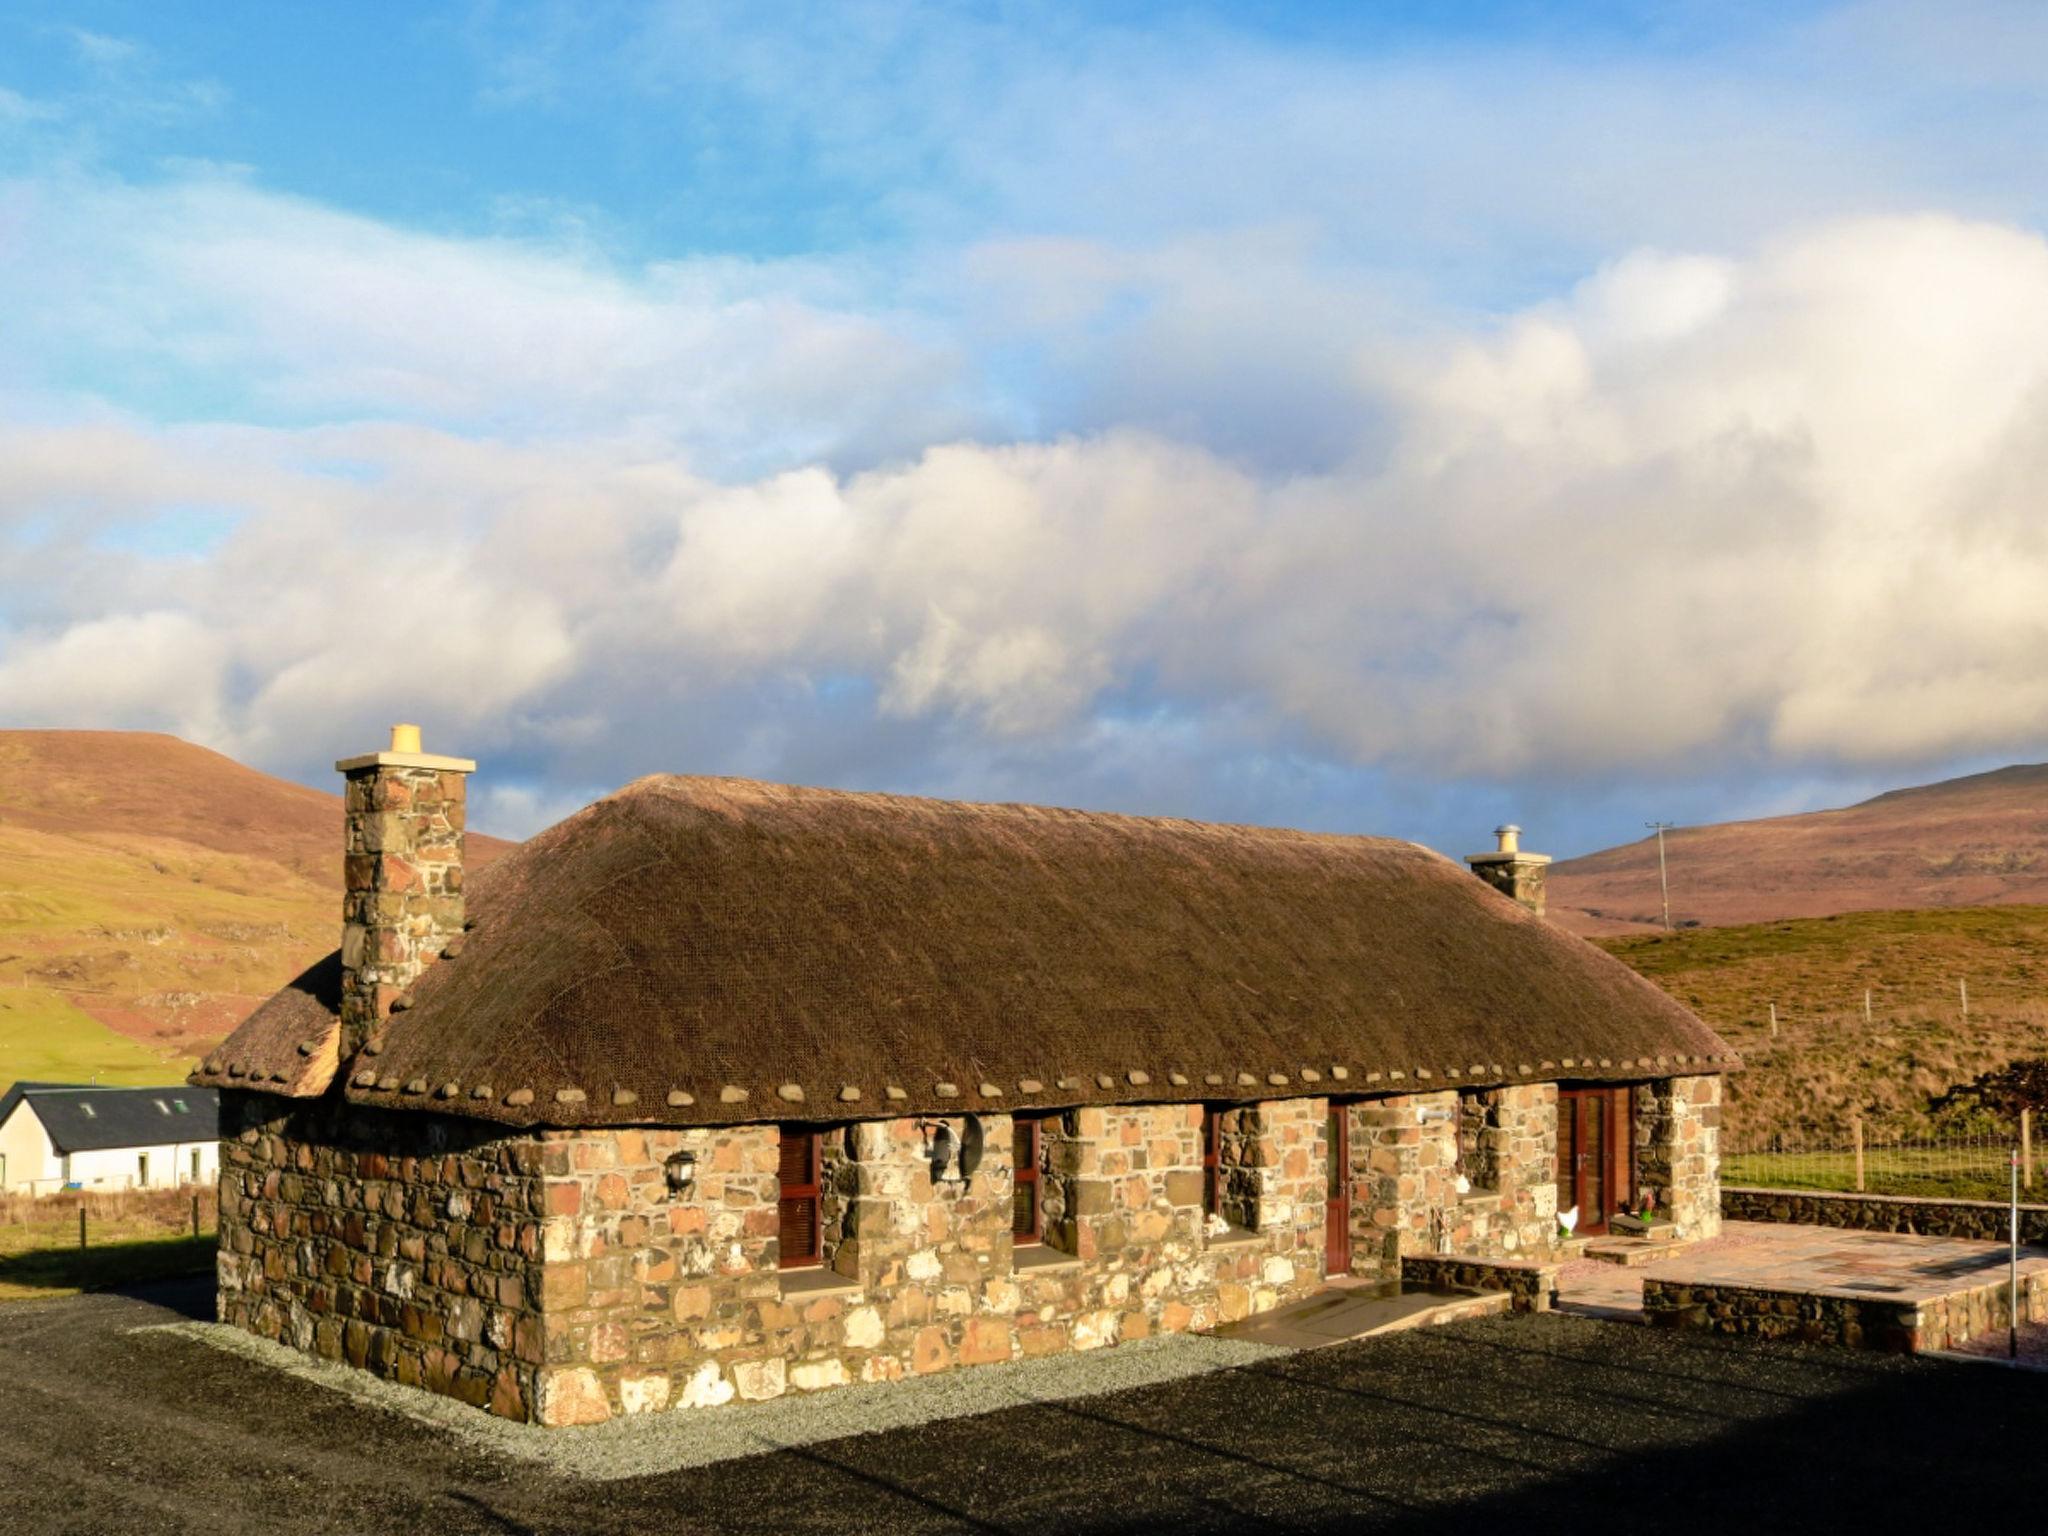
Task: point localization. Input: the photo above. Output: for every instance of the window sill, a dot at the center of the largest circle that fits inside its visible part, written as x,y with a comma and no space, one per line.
810,1283
1037,1256
1236,1237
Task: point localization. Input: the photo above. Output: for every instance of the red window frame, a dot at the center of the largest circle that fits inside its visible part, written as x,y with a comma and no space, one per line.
1030,1189
799,1210
1212,1180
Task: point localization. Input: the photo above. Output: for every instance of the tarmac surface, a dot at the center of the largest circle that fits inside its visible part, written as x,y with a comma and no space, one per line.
110,1422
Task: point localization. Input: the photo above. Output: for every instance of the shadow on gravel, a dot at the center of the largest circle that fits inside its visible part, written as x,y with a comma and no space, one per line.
193,1297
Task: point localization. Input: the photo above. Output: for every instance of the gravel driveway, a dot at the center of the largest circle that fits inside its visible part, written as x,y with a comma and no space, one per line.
1527,1424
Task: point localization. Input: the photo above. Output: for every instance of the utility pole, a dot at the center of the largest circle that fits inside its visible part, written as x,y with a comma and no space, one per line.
1663,880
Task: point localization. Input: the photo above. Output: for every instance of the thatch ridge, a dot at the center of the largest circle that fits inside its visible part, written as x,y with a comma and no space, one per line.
698,950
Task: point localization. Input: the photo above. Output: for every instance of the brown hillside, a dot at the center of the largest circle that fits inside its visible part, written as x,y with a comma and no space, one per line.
151,894
1976,841
123,784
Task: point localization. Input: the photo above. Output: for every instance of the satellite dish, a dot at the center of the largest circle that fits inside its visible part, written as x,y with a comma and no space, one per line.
970,1147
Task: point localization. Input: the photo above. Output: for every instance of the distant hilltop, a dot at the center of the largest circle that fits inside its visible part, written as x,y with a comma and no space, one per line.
1975,841
151,894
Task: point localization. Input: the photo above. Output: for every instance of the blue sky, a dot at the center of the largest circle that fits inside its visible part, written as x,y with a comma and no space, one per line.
1388,418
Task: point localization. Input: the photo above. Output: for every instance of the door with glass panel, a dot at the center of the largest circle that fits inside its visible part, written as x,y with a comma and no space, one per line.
1595,1154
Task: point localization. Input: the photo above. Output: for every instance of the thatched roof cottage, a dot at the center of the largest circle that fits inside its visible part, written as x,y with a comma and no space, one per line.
720,1089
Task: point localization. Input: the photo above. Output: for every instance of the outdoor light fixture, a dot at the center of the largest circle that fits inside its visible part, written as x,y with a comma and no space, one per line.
953,1155
1429,1114
680,1170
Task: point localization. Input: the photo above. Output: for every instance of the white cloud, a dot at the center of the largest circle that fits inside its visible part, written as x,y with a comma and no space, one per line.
1776,505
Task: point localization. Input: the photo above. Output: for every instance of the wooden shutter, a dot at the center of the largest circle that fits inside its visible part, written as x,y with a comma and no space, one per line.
1026,1212
800,1239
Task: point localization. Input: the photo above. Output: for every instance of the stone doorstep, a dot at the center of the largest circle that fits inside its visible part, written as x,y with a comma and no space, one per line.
1635,1252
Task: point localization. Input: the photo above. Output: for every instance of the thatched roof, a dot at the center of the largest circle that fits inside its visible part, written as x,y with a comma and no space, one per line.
693,951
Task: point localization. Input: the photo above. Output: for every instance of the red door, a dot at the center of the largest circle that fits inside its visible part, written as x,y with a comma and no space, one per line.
1337,1199
1595,1155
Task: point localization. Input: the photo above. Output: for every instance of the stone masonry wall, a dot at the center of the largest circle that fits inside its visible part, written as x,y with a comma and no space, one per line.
402,886
1678,1151
404,1244
558,1276
653,1300
1405,1199
1841,1317
1984,1220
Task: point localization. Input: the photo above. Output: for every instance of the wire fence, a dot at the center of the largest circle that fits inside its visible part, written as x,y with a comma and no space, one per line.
1953,1166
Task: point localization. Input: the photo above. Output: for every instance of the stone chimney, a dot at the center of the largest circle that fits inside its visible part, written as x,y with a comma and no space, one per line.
402,874
1510,871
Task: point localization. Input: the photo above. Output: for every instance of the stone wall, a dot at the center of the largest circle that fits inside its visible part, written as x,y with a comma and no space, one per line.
654,1299
1405,1166
1532,1284
404,1244
1842,1317
1984,1220
1403,1173
562,1276
1678,1151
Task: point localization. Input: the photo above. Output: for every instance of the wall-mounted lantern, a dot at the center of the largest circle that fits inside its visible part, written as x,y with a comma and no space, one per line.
680,1170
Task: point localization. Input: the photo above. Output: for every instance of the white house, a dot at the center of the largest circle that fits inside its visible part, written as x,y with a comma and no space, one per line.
56,1136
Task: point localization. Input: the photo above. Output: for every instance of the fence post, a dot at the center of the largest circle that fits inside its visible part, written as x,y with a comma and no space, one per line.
2027,1147
1774,1021
81,1245
195,1215
1964,987
1866,1005
1856,1135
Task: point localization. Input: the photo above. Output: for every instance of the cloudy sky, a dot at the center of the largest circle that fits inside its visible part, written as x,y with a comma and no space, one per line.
1388,418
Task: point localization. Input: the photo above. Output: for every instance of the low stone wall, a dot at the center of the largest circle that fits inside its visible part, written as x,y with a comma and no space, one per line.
1985,1220
1839,1317
1532,1285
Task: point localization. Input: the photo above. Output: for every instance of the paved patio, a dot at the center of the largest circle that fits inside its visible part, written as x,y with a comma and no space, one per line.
1889,1267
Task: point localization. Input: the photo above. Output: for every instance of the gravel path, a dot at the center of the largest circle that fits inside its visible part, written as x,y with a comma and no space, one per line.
1524,1424
664,1442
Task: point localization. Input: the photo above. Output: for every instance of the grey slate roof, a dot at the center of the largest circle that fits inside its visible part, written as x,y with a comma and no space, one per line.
82,1118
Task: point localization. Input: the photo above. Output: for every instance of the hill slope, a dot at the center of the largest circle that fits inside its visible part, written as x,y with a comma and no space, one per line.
151,894
1826,1060
1976,841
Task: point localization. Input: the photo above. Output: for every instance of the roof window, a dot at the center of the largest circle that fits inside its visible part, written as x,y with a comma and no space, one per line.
162,1108
88,1111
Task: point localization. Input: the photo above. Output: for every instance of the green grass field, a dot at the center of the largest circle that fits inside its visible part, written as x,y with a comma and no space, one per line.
44,1038
130,1238
1825,1063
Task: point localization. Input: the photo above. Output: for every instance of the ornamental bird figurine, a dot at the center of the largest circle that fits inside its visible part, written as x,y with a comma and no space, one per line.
1569,1220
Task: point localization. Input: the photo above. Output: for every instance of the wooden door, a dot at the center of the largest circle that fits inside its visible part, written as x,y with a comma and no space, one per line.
1337,1197
1595,1154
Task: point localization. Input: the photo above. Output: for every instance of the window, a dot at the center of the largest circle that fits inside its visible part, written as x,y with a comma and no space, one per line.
1027,1207
181,1106
142,1169
195,1165
1212,1137
88,1111
801,1239
161,1107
